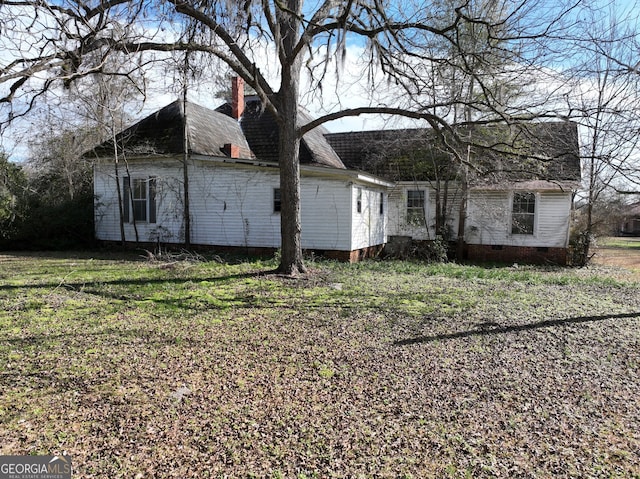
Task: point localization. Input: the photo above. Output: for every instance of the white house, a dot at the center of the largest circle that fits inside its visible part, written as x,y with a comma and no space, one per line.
513,205
233,186
513,197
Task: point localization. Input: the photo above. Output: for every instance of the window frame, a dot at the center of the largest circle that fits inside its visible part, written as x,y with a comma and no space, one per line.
415,213
524,212
133,199
140,199
277,201
358,199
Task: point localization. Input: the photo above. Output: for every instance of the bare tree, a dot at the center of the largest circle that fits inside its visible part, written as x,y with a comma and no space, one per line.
604,101
72,39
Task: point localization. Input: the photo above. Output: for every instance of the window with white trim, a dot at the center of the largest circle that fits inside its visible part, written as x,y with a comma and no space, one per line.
415,208
139,199
359,200
523,213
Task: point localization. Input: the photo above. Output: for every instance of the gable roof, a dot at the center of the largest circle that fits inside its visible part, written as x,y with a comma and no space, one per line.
534,155
261,131
162,132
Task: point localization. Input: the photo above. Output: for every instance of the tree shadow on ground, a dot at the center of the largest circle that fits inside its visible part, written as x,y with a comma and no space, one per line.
92,286
491,328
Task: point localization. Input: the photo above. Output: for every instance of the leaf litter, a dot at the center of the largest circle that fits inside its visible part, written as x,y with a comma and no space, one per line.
475,378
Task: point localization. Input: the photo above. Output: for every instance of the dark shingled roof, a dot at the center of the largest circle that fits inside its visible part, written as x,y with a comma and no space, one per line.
261,130
163,133
210,130
530,152
392,154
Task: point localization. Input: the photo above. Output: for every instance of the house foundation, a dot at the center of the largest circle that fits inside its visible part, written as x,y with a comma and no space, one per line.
344,256
517,254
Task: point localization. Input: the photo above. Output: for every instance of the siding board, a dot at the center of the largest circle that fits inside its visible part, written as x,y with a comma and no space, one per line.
232,205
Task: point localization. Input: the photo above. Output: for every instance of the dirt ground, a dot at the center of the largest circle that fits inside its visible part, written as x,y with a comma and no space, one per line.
620,253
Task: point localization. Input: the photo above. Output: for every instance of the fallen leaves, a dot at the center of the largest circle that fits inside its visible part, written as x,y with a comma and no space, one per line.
348,373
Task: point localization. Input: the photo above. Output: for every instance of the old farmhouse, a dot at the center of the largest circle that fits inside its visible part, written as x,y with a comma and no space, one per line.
210,177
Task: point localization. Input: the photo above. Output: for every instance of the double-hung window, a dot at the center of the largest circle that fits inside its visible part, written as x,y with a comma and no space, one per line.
523,213
277,200
415,207
139,200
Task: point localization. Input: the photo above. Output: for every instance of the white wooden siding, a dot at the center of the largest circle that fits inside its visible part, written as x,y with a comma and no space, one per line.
488,216
369,226
397,222
232,205
326,218
489,219
169,224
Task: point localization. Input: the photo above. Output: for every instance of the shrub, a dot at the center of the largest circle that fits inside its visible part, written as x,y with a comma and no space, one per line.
580,245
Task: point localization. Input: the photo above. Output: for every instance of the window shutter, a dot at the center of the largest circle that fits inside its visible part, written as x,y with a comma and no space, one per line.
152,199
126,197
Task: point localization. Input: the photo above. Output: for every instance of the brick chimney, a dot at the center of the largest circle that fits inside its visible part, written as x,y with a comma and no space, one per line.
237,97
231,150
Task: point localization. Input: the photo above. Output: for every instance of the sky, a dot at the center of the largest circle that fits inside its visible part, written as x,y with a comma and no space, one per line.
350,91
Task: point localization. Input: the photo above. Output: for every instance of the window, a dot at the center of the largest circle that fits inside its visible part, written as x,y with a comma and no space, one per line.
523,213
139,199
277,202
415,207
381,203
359,200
140,193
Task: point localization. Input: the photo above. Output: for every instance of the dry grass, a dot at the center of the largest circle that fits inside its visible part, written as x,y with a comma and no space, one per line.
375,370
621,253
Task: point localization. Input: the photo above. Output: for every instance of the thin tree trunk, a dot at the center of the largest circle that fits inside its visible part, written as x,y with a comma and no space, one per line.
462,212
118,189
439,215
130,199
462,221
185,171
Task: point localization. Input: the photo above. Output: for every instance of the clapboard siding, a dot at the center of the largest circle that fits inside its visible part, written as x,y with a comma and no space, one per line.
489,223
554,218
169,224
232,205
397,221
326,218
487,217
369,225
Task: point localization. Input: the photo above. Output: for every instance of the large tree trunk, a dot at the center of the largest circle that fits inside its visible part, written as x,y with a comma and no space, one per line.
290,220
291,261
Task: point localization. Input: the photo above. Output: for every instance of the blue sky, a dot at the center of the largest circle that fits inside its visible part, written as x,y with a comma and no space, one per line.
350,93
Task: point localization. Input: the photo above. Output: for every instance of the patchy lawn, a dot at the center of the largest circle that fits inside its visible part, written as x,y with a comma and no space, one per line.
620,252
140,369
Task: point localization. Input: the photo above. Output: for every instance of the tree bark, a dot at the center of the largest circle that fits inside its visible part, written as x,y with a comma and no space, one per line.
291,261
